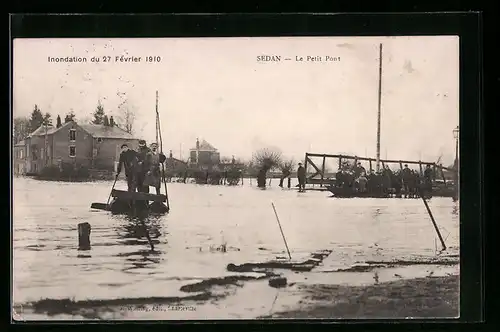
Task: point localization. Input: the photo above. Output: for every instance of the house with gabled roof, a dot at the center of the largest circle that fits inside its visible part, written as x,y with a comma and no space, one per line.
84,145
203,155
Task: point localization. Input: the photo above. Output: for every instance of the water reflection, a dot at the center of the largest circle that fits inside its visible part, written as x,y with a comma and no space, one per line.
143,233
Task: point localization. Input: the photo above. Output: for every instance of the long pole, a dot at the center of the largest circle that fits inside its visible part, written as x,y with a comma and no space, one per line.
161,151
379,106
157,120
46,144
113,187
281,230
457,170
432,219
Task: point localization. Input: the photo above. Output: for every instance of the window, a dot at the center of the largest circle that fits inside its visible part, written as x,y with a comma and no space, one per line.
72,135
72,151
42,153
34,168
21,154
99,139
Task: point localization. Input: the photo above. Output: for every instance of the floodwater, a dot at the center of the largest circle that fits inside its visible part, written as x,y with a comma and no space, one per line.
202,218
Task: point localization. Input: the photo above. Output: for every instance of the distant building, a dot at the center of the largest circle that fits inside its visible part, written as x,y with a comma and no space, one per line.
203,155
174,165
19,163
88,145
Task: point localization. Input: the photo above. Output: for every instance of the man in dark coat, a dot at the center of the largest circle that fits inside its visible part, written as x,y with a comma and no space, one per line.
359,169
428,178
130,161
153,175
406,174
301,176
144,166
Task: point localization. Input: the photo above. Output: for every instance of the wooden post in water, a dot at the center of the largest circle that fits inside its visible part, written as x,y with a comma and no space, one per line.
84,236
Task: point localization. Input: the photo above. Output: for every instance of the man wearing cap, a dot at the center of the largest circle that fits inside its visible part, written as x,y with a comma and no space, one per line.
407,179
153,176
129,159
301,176
359,170
144,166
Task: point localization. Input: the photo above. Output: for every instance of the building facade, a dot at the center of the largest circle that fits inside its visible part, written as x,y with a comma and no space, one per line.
91,146
19,160
203,155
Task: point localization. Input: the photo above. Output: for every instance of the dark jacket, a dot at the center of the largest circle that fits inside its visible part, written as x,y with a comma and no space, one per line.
301,172
144,160
129,159
428,174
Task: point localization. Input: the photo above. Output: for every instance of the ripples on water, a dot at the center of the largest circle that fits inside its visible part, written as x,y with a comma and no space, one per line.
121,263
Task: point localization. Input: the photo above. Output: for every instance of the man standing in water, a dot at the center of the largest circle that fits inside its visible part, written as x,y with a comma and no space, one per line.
130,161
143,166
153,176
428,179
301,176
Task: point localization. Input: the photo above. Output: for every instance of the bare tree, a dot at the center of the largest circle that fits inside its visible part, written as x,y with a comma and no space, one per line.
265,160
286,167
126,116
21,128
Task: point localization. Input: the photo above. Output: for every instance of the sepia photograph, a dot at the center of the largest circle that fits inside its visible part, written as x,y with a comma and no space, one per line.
235,178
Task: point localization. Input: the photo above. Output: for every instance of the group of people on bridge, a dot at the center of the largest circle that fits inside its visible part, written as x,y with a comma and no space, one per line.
142,167
385,182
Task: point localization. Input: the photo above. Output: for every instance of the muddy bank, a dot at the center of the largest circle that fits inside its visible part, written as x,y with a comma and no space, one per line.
413,298
207,290
375,265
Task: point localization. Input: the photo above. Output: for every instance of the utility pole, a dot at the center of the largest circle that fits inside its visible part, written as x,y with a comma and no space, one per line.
157,120
379,106
45,157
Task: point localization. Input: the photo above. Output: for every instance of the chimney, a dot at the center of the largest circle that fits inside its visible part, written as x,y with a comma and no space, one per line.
171,156
111,121
197,144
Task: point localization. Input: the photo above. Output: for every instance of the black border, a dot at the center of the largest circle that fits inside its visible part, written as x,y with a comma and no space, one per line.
467,25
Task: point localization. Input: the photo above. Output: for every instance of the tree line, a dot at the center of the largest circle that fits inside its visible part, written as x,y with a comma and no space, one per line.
24,126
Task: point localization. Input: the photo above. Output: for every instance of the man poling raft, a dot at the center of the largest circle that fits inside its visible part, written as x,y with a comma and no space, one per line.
142,170
153,175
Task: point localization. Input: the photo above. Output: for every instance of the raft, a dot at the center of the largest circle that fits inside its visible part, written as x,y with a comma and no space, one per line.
125,202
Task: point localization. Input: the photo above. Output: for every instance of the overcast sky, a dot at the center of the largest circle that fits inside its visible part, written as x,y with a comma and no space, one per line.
215,89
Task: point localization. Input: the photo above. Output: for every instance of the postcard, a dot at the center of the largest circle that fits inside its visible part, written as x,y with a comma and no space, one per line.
235,178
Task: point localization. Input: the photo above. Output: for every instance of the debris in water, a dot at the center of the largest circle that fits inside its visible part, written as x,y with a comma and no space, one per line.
277,282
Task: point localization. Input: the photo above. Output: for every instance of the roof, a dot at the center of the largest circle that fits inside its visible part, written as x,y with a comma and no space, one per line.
97,131
205,146
103,131
42,130
20,143
50,129
175,160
